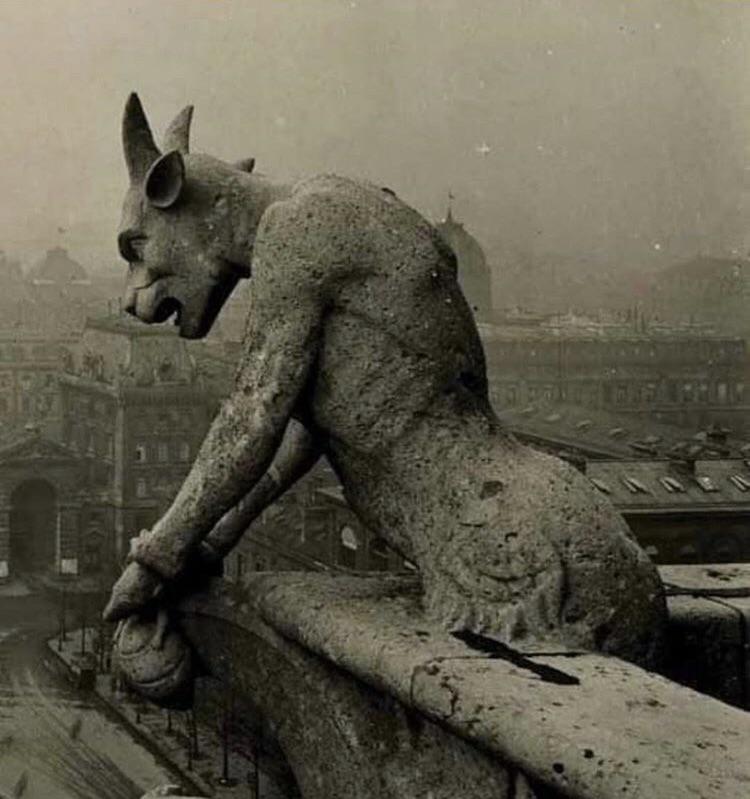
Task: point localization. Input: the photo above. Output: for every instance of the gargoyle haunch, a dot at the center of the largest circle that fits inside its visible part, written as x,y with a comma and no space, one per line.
360,348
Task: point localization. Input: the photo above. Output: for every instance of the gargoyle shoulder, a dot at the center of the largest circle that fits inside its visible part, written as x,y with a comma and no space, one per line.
317,226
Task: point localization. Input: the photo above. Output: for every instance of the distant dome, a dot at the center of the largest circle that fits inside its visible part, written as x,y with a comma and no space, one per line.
59,268
473,272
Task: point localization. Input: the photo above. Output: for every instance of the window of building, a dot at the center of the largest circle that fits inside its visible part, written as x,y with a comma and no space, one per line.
742,483
721,392
348,546
141,455
184,451
672,484
706,483
92,552
141,488
648,392
162,452
739,391
239,562
634,485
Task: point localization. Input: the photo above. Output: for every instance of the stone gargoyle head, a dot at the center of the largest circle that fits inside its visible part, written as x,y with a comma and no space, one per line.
188,224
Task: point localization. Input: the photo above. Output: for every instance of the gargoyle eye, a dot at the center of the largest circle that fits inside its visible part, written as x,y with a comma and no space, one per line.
131,245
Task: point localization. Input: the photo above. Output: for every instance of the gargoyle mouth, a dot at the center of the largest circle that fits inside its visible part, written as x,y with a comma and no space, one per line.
168,307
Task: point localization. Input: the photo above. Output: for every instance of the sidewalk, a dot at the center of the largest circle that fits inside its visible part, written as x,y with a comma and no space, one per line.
166,735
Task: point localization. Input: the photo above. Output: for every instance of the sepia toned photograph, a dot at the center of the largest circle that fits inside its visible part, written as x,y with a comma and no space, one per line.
375,399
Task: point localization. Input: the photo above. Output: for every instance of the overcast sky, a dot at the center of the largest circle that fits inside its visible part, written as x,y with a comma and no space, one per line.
611,130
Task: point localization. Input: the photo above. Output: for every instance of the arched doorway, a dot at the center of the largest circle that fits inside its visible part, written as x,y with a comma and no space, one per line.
33,526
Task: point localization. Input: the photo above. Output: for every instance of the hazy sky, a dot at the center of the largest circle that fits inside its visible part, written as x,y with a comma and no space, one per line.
615,130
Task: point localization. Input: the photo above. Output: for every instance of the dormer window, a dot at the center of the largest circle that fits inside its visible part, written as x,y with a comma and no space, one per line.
740,482
672,484
634,485
706,483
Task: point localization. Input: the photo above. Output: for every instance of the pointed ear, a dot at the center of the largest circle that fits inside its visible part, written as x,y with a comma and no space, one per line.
137,141
246,164
165,180
177,136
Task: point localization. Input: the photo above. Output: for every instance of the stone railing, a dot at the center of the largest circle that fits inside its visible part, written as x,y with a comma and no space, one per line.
366,698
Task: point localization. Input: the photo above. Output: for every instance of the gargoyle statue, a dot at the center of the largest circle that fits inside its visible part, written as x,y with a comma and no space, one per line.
360,347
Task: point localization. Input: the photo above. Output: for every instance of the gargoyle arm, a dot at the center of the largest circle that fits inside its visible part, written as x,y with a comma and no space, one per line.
295,457
281,342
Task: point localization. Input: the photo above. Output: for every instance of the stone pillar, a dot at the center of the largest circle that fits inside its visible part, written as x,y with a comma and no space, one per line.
68,523
5,565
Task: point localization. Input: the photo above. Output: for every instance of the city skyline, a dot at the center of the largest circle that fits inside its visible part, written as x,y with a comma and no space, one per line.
617,132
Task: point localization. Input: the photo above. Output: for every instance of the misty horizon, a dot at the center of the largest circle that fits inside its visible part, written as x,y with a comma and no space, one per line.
612,132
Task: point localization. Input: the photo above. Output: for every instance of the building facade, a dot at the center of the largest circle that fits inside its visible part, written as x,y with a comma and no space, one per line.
684,376
55,513
134,403
29,370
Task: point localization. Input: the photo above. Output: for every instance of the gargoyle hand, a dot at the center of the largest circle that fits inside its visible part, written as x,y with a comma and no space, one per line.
134,589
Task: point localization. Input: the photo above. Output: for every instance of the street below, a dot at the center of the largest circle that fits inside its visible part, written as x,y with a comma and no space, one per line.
55,741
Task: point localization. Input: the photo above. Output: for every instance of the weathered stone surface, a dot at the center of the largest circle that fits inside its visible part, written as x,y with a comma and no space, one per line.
709,627
706,647
620,733
357,328
578,725
709,579
341,737
155,660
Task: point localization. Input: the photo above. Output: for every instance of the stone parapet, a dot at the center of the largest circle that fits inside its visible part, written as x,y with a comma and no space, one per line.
709,612
368,698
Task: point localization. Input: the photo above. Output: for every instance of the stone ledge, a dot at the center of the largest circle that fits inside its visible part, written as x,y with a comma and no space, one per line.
619,731
709,579
709,611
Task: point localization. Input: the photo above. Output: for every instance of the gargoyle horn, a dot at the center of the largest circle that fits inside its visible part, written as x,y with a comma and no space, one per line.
177,136
137,141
